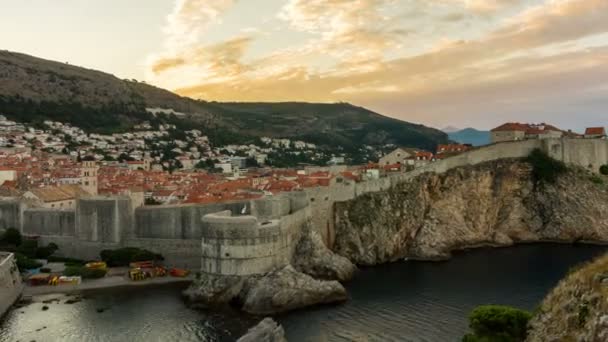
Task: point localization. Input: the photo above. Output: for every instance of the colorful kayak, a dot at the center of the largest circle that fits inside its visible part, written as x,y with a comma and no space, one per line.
179,272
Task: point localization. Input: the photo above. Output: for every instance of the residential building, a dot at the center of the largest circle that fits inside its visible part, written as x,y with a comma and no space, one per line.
55,197
398,156
514,131
595,132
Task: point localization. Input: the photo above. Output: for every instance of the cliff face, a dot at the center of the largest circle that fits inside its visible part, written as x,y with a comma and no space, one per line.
577,309
495,203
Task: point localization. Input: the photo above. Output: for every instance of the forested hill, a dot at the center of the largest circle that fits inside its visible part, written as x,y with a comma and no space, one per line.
34,89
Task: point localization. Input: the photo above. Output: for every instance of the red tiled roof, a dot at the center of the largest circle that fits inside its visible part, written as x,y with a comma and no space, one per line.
527,128
595,131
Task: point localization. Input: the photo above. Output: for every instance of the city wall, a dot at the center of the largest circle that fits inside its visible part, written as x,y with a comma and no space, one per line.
175,231
10,282
587,153
244,237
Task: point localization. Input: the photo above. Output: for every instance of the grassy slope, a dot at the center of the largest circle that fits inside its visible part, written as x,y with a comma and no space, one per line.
35,89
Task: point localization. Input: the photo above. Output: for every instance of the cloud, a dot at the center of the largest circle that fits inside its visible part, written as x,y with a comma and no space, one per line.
353,51
190,19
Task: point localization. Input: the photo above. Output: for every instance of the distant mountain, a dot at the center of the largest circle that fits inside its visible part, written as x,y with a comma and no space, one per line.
471,136
34,89
450,129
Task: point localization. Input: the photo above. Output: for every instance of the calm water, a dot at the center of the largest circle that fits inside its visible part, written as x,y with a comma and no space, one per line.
410,301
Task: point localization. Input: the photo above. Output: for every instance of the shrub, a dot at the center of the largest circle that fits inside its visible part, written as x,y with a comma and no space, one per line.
604,170
84,272
497,323
28,248
545,168
25,263
11,236
597,180
66,260
124,256
46,252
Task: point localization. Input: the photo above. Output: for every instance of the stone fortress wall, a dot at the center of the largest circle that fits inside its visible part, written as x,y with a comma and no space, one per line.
261,231
10,282
248,237
587,153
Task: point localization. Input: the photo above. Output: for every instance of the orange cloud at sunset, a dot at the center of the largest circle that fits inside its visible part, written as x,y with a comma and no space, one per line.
421,60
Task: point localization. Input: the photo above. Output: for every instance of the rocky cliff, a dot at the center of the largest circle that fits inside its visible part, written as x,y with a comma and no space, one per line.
577,309
496,203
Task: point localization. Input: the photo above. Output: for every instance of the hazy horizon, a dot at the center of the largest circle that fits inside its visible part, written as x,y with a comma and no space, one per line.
461,63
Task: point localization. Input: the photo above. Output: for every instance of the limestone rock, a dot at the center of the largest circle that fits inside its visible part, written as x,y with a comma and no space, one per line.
490,204
266,331
211,290
315,259
576,310
287,289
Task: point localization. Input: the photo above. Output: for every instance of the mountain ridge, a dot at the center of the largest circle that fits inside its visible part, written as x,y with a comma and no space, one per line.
33,89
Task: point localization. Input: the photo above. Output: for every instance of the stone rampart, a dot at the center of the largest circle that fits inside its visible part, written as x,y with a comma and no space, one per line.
10,282
243,237
40,221
247,245
10,213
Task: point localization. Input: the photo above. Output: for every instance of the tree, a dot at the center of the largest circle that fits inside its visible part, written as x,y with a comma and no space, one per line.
12,237
497,323
544,168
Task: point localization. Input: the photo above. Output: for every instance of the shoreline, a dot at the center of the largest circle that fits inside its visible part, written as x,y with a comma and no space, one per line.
101,284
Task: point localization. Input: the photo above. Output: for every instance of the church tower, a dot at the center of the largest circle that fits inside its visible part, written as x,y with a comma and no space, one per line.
88,177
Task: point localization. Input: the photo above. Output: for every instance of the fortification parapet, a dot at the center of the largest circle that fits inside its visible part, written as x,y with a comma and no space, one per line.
53,222
271,207
10,213
242,245
298,200
103,219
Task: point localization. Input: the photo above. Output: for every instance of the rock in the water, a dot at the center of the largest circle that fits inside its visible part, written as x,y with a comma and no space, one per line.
315,259
266,331
211,290
288,289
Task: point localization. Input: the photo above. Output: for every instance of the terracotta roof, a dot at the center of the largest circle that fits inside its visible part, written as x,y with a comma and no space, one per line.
527,128
595,131
58,193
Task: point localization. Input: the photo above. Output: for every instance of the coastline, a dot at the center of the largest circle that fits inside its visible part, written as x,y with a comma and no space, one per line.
103,283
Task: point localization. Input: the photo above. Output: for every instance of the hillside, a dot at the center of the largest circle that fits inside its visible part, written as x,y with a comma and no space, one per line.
34,89
470,136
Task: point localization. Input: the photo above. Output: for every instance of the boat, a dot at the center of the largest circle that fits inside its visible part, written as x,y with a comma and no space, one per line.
96,265
179,272
142,264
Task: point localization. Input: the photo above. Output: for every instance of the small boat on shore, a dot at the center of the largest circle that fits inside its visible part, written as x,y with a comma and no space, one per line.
179,272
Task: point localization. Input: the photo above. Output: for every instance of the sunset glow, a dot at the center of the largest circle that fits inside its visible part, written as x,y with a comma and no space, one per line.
438,62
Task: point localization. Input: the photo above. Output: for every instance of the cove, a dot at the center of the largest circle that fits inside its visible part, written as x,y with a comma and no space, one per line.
404,301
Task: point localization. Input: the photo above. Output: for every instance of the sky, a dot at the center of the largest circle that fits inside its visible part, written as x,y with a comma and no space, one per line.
442,63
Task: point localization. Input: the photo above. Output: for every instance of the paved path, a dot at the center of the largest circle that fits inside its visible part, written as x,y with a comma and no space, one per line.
103,283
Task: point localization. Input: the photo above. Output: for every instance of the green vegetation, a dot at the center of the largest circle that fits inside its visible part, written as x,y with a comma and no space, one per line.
495,323
84,272
25,250
124,256
597,179
25,263
12,237
65,260
544,168
604,170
